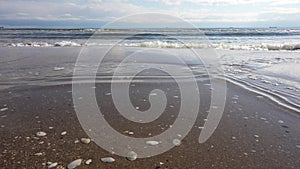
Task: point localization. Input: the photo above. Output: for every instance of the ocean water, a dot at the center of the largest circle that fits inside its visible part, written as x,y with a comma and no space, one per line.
219,38
262,60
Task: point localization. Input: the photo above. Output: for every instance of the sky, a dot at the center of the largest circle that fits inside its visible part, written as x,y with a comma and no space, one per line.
201,13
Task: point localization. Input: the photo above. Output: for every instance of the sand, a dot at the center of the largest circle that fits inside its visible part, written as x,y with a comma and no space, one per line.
254,132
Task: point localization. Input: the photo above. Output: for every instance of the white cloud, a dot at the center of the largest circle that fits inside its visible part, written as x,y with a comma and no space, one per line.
227,2
65,11
100,10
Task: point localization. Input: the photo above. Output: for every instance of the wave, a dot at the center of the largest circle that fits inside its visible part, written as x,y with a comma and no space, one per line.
163,44
42,44
160,44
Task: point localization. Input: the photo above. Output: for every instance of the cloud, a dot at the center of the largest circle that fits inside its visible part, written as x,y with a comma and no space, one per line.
41,10
227,2
104,11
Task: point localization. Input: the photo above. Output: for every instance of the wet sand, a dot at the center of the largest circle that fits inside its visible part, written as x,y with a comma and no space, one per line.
254,132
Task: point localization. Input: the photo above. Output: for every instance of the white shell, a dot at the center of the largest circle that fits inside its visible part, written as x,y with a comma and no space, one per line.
74,164
63,133
52,165
85,140
41,134
88,162
108,159
58,68
4,109
152,143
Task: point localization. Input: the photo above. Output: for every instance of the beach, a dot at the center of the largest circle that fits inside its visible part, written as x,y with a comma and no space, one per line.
258,129
253,133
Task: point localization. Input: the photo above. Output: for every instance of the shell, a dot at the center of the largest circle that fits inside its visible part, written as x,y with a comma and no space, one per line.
63,133
74,164
52,165
88,162
41,134
152,143
131,156
85,140
108,159
176,142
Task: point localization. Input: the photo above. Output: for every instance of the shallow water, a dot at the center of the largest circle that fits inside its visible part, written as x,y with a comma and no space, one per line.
270,74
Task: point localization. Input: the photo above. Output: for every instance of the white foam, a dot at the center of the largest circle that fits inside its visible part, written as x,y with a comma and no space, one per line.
163,44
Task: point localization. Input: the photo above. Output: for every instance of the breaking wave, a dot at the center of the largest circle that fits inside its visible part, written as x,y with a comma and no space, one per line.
163,44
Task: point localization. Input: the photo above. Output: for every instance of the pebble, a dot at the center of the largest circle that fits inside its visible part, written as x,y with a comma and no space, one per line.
298,146
52,165
233,138
152,143
3,109
108,160
256,136
51,128
74,164
41,134
131,156
88,162
176,142
85,140
63,133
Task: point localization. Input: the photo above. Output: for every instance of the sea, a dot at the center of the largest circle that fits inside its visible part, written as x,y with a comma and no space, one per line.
219,38
262,60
